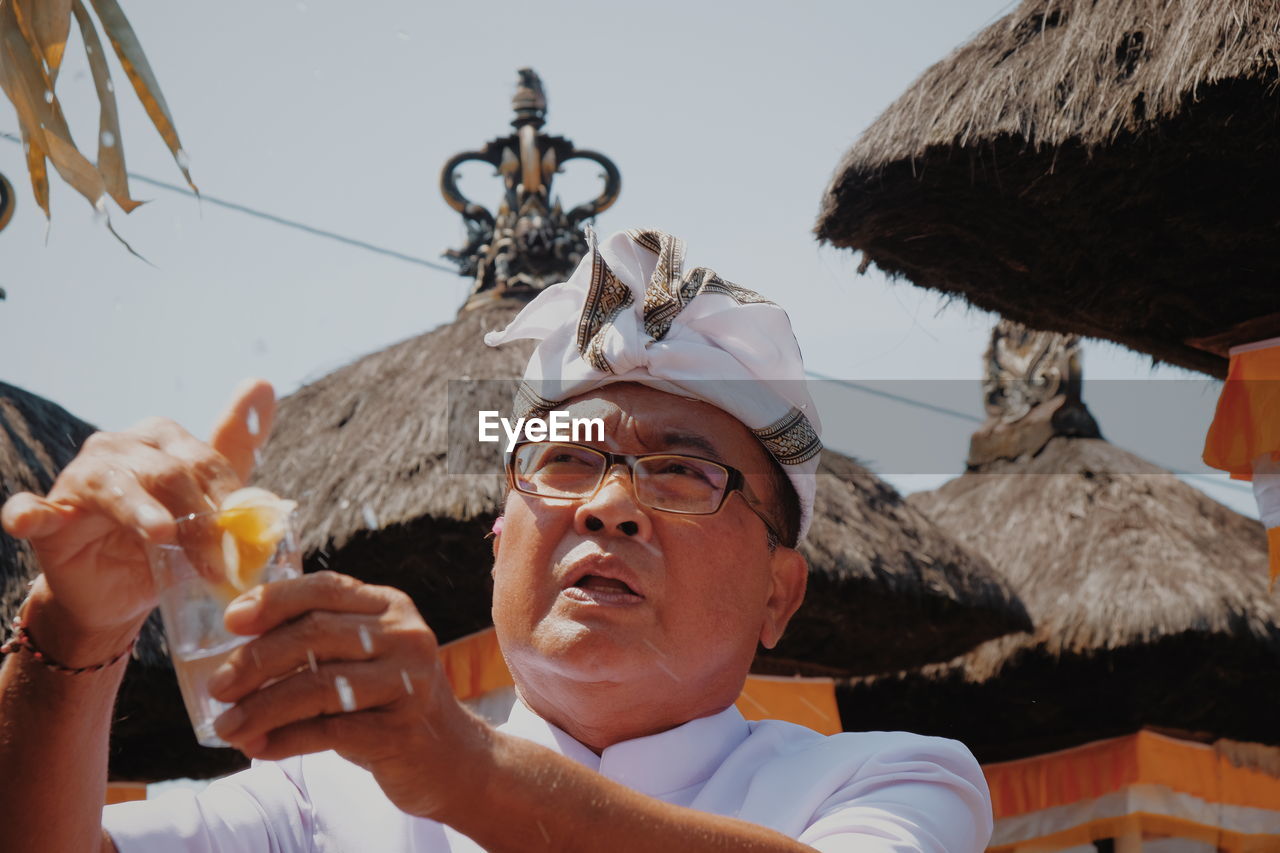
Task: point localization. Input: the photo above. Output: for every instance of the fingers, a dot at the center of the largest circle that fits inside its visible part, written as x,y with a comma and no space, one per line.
331,647
264,608
120,497
315,637
329,690
363,734
144,477
28,516
245,425
185,465
127,480
121,491
104,489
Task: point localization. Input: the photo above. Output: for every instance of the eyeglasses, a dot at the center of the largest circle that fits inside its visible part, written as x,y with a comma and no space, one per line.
670,482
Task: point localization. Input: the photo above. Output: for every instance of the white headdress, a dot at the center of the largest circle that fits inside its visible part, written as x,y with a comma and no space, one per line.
631,313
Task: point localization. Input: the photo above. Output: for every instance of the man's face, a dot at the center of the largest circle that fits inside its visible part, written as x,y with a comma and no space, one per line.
603,590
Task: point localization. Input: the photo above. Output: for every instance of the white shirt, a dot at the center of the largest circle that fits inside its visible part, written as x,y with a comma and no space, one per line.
870,792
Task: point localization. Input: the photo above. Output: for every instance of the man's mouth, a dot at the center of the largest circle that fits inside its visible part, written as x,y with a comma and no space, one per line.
603,584
589,575
597,589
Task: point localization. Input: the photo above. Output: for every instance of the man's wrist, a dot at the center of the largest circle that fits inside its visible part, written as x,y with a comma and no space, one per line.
477,772
61,639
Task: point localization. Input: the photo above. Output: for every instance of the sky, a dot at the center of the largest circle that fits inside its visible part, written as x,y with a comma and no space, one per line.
338,116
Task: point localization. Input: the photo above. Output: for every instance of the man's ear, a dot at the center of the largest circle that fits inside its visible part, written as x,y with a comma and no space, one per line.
790,573
496,534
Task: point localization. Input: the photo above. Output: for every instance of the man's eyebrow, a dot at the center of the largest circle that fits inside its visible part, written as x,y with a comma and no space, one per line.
692,440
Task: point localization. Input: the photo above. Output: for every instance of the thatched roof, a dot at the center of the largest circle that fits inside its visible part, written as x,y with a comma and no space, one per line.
1103,167
887,587
151,737
1149,600
363,450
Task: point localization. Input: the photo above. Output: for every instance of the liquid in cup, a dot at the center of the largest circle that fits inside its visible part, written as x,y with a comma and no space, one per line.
194,669
192,606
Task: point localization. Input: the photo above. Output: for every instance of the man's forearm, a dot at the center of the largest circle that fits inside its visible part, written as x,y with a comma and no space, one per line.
525,797
54,731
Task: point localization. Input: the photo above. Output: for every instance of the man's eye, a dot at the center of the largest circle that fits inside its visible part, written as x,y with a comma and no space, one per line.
675,468
567,459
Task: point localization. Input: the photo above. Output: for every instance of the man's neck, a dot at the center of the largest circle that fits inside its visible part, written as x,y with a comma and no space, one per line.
599,715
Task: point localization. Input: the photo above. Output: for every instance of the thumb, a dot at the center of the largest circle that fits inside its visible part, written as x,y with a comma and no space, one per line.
28,516
245,425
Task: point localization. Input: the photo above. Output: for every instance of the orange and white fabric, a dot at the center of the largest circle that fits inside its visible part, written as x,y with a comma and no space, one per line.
1144,785
633,312
1244,438
1266,490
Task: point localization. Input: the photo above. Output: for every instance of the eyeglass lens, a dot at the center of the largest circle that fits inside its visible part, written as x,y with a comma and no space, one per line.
670,481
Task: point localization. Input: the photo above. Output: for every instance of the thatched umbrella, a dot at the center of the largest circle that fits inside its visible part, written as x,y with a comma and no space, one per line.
1148,598
1102,167
365,452
151,735
886,585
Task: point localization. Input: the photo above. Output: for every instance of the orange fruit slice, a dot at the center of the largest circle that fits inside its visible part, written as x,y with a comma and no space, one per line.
252,522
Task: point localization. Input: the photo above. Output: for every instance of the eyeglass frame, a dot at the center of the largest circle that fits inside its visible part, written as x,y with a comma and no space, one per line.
736,481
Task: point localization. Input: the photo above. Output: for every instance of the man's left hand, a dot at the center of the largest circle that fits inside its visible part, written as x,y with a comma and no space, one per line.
350,667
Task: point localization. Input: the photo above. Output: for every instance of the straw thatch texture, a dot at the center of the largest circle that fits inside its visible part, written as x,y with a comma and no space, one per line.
1149,600
887,588
151,737
1252,756
365,447
1104,167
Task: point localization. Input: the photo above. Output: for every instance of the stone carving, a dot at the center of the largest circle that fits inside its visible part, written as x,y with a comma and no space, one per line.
1031,389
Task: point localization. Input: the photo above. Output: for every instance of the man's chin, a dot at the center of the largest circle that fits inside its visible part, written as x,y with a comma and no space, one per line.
589,652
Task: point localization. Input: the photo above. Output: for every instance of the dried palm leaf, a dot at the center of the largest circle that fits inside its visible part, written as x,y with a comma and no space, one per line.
48,22
144,81
25,80
110,152
36,168
33,39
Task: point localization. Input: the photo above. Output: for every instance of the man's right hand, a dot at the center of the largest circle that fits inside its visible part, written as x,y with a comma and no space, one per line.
118,496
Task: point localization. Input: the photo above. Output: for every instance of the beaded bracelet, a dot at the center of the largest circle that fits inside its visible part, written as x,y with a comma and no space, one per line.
22,639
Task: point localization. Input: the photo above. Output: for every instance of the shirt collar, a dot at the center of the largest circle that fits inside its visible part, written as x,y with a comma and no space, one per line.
655,765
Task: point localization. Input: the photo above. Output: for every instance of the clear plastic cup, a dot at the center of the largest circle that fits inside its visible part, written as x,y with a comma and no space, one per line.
192,607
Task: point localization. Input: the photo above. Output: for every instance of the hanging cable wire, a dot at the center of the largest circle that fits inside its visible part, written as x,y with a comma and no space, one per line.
279,220
1207,478
898,398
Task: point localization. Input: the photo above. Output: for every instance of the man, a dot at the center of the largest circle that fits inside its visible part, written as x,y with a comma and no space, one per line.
633,579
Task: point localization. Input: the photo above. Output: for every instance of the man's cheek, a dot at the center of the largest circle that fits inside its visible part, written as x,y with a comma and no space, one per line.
723,601
520,597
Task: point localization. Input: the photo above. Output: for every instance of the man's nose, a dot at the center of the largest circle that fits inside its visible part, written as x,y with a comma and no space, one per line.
613,508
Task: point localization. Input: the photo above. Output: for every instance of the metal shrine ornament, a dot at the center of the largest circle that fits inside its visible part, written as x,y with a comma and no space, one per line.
531,241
